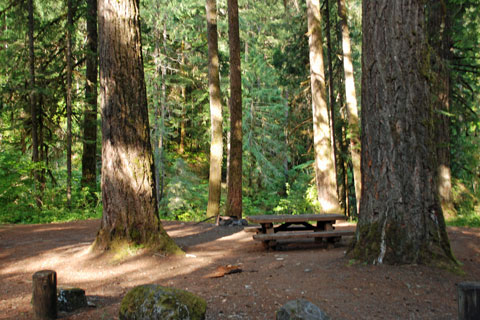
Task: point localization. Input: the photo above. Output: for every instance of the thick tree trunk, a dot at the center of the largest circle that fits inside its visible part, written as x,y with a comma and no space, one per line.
439,28
325,175
234,195
216,145
352,110
68,40
130,210
89,155
401,220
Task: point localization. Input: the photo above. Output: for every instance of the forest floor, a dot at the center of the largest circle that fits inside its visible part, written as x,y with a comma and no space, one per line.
269,278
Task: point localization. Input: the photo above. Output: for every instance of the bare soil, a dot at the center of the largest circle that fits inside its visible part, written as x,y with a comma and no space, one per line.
269,278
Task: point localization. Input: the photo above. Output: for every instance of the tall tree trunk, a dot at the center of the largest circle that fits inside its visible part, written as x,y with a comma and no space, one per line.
439,28
325,175
216,144
33,95
89,155
68,40
335,138
234,194
130,210
352,110
401,220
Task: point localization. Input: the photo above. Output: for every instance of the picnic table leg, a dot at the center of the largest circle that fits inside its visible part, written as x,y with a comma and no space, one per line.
268,229
319,228
330,241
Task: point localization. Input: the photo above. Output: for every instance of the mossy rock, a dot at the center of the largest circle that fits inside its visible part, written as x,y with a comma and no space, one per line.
156,302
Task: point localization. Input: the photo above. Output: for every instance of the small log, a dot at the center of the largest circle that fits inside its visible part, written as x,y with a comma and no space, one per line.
469,301
44,298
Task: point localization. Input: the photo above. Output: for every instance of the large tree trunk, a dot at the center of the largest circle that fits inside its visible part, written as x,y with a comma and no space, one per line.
234,195
325,175
352,110
401,220
439,28
69,100
130,210
216,145
89,155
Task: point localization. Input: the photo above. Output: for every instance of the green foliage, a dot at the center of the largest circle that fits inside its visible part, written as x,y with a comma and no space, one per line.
186,195
18,195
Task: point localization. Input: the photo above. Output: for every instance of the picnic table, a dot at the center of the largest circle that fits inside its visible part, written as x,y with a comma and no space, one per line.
281,227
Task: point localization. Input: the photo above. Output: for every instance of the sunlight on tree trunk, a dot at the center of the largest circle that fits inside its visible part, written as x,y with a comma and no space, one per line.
439,29
130,212
352,110
325,175
216,145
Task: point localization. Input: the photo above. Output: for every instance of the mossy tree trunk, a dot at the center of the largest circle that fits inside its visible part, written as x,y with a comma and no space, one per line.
216,145
128,186
401,220
325,175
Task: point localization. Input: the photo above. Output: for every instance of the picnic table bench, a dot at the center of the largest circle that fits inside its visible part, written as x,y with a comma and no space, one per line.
282,227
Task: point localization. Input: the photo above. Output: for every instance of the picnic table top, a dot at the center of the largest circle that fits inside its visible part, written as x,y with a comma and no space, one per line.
295,218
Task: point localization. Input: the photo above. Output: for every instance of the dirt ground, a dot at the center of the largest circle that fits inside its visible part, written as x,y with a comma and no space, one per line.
269,278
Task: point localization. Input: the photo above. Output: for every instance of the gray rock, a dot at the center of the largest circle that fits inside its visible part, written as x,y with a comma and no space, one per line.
154,302
300,310
71,299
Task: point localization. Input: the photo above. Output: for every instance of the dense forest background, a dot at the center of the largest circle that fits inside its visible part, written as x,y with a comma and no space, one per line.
277,117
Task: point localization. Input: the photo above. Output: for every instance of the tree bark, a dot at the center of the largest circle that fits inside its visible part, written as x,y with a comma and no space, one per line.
89,155
130,210
216,145
401,220
351,97
234,195
68,50
325,175
439,29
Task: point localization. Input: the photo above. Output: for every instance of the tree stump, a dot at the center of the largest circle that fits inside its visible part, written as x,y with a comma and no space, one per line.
44,297
469,300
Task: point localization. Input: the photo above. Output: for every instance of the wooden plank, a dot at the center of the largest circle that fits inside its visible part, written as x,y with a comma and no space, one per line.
295,218
302,234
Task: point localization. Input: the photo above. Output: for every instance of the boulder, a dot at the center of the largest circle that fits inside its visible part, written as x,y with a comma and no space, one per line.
154,302
71,299
300,310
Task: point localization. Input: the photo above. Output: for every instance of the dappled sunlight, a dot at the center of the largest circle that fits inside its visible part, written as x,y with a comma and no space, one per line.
268,278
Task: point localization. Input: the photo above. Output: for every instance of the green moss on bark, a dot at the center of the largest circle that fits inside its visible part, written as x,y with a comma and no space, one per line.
130,241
